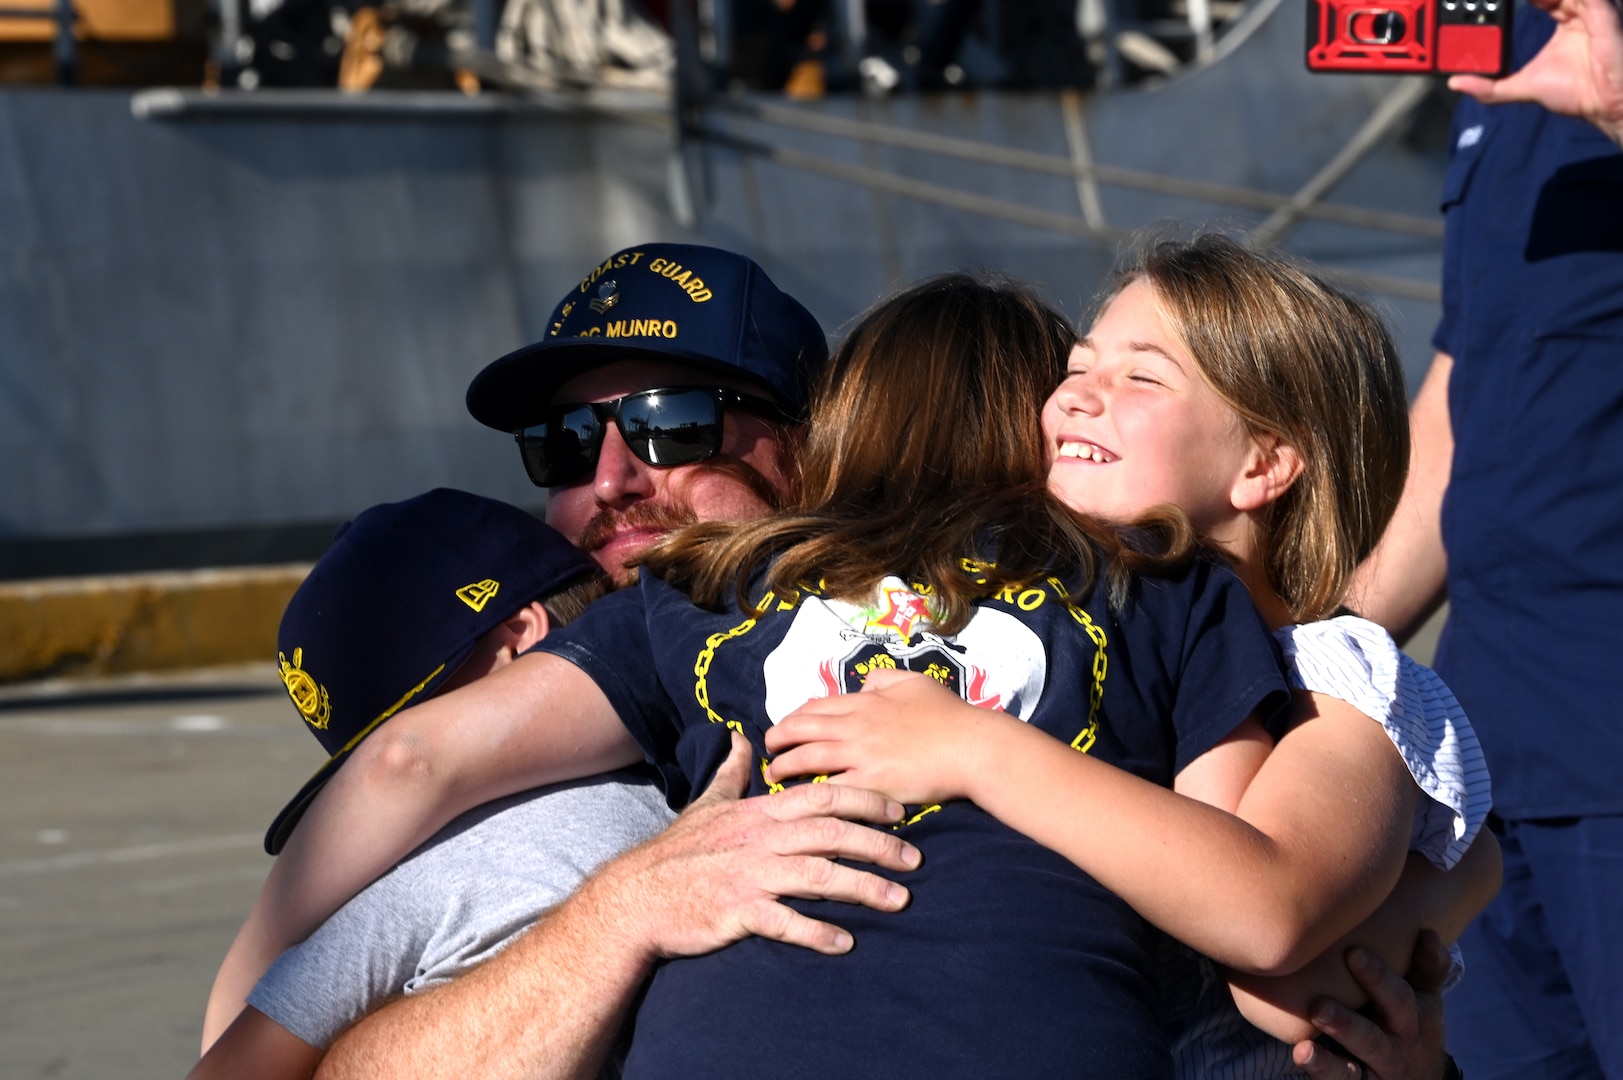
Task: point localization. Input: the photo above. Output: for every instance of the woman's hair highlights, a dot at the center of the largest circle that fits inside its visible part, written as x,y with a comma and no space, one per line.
924,449
1302,361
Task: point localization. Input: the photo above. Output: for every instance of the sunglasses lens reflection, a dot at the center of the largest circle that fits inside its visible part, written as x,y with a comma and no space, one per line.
661,427
672,428
562,448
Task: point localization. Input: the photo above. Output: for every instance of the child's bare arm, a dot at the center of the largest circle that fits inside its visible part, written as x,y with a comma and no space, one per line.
255,1047
1337,799
1318,837
1425,898
537,720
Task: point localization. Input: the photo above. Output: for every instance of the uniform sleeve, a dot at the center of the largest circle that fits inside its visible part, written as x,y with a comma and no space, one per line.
611,642
1230,666
1357,661
1455,183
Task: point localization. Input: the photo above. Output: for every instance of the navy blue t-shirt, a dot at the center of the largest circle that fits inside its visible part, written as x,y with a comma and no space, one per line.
1009,961
1533,517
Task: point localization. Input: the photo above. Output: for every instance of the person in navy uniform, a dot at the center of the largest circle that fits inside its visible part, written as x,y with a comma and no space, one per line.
1514,510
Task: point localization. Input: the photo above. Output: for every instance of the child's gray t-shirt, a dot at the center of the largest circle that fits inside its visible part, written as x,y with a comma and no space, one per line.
457,900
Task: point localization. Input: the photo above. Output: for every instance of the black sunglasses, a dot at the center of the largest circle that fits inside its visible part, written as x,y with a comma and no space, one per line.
671,426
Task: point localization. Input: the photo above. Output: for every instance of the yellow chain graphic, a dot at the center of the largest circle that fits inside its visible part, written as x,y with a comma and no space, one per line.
1101,663
914,820
707,655
772,786
701,666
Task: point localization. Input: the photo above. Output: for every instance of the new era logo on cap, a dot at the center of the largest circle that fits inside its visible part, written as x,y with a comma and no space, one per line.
478,594
396,605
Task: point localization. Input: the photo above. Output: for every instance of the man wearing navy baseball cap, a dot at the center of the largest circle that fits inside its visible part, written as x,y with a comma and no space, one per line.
413,599
660,395
665,390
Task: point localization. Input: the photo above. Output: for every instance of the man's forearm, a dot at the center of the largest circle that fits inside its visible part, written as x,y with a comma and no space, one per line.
549,1006
1405,579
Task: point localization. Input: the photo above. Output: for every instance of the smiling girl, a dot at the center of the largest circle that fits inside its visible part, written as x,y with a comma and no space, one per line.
1269,408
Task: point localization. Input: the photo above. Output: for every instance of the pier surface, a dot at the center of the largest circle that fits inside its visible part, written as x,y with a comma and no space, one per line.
131,817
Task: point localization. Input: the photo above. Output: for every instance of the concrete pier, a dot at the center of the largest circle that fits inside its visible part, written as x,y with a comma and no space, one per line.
57,627
131,816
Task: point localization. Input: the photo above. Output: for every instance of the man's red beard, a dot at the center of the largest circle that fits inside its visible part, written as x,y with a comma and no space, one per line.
667,517
606,523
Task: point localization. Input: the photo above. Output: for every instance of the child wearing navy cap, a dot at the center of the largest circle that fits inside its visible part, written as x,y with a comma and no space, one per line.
412,599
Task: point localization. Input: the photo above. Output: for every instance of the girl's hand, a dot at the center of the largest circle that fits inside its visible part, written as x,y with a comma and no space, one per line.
905,735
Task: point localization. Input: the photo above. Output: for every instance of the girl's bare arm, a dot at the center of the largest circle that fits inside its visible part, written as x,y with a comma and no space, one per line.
1425,898
1316,839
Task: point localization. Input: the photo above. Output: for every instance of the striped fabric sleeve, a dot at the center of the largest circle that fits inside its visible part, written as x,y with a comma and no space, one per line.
1358,662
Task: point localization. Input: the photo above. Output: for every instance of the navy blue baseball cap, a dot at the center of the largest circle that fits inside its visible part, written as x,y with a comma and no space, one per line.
700,307
397,604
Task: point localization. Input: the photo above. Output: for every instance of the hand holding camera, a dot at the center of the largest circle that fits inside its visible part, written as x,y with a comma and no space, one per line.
1578,73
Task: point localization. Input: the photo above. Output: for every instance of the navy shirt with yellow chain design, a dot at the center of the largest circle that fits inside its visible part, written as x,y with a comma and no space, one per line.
1009,960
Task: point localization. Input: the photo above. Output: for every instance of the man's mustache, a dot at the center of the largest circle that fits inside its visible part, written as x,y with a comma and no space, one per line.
670,516
607,523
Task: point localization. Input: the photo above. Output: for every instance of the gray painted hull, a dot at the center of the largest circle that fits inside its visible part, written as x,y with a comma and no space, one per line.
221,318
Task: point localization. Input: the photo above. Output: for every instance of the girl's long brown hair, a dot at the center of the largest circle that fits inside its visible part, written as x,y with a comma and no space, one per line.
1302,361
923,450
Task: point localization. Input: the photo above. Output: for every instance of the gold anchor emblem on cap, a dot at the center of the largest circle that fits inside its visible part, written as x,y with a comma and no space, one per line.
309,696
608,294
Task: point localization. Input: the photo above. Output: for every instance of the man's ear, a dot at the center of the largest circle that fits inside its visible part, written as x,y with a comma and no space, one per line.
1271,467
526,626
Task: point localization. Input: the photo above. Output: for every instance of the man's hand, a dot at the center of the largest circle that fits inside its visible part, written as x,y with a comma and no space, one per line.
549,1005
1579,72
717,874
1405,1042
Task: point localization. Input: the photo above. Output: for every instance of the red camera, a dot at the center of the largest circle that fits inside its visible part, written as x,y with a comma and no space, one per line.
1405,36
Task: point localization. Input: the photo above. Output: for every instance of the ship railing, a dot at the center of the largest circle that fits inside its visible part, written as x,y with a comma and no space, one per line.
65,51
709,126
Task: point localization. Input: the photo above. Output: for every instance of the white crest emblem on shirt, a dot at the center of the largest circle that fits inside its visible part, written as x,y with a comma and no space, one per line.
996,661
1469,137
